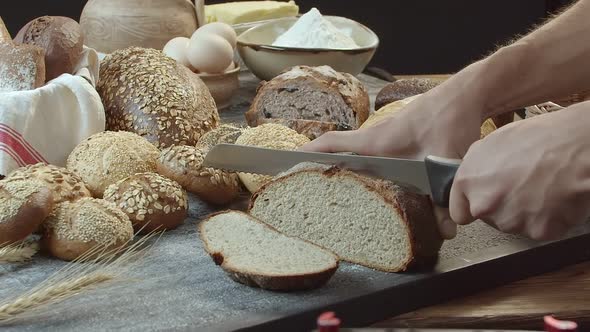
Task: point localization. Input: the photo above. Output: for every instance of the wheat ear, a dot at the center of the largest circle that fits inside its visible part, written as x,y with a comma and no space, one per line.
18,253
78,276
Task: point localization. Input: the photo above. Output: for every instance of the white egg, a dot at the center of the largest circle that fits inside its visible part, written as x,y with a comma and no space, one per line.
177,48
210,53
218,28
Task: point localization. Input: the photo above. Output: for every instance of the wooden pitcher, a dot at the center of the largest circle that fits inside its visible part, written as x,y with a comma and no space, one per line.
109,25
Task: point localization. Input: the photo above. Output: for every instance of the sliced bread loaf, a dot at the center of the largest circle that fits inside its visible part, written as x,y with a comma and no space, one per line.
365,221
254,254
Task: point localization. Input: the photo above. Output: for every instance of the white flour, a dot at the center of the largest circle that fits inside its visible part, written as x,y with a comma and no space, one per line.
312,30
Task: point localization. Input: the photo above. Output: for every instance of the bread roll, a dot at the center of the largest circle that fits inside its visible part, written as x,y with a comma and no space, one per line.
74,228
152,202
322,97
22,67
183,164
23,207
225,133
150,94
4,34
60,37
107,157
402,89
272,136
65,184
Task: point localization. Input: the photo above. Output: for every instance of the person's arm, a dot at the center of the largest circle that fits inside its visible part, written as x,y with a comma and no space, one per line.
551,62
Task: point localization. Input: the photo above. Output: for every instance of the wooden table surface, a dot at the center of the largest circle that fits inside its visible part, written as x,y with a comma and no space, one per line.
520,305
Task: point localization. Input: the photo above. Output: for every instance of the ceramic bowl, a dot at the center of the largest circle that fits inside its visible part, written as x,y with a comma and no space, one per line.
222,86
267,61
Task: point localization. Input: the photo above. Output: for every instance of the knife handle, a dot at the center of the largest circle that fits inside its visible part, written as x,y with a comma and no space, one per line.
441,174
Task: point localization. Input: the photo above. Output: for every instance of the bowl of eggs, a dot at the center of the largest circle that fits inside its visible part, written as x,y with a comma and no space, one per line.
209,54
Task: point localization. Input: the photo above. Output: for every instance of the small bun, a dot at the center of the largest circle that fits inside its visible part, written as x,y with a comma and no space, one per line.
183,164
74,228
402,89
65,184
23,207
107,157
272,136
225,133
151,201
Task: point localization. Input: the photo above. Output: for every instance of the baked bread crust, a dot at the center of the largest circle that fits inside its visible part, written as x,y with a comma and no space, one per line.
183,164
225,133
152,202
24,205
402,89
107,157
274,283
88,224
60,37
321,94
4,34
416,210
150,94
23,67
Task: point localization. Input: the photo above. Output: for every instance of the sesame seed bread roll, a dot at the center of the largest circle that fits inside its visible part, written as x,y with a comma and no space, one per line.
65,184
150,94
23,207
151,201
183,164
272,136
74,228
107,157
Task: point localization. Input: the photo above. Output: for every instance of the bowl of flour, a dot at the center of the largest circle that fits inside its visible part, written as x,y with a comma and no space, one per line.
312,40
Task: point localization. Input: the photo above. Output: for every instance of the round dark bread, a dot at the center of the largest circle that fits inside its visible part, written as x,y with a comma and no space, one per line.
60,37
24,205
402,89
150,94
151,201
332,99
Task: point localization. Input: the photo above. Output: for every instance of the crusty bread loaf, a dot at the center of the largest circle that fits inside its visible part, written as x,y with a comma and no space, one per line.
256,255
61,39
362,220
152,202
65,184
225,133
21,67
273,136
321,94
150,94
4,34
107,157
183,164
74,228
23,207
402,89
389,109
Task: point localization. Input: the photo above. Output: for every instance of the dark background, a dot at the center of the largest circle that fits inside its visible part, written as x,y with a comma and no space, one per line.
417,36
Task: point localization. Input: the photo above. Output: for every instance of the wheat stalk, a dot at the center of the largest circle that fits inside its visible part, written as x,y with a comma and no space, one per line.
82,275
18,253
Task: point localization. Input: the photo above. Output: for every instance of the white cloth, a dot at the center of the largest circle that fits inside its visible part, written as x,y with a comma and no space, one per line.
46,124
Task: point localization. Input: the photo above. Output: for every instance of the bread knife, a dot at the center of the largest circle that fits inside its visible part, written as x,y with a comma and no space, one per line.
432,176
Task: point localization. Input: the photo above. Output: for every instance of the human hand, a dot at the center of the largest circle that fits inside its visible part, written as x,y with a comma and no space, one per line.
440,124
530,177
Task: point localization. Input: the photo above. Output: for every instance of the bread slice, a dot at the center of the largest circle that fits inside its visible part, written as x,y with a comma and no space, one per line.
256,255
365,221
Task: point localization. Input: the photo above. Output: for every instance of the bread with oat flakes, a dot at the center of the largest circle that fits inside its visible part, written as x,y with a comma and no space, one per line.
183,164
151,201
150,94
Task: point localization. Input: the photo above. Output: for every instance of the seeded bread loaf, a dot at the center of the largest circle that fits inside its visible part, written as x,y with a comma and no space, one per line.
107,157
272,136
331,99
183,164
75,228
256,255
22,67
61,39
23,207
402,89
150,94
151,201
225,133
65,184
365,221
